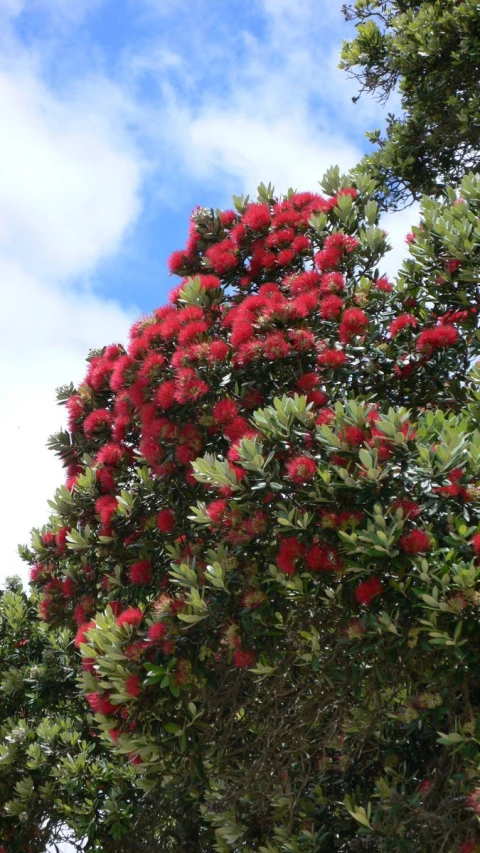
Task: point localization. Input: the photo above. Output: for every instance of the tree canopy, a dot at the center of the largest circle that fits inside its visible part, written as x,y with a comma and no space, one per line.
427,51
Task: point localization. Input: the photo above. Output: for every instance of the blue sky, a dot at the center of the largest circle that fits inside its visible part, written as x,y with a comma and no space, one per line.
118,118
200,63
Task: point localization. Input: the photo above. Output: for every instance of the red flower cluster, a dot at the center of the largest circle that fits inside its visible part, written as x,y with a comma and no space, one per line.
415,542
368,590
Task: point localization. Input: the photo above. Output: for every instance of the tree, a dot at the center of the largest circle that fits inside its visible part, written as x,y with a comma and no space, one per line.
58,781
428,51
268,537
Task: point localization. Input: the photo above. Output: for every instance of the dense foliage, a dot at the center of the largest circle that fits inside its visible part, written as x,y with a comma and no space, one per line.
268,538
57,779
429,52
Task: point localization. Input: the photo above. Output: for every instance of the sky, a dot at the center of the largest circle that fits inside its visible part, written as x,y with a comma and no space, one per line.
118,118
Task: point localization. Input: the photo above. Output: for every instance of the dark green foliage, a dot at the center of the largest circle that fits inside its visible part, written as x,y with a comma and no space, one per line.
430,52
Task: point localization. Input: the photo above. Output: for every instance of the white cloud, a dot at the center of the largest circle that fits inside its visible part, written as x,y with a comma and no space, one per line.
270,107
282,151
67,193
69,190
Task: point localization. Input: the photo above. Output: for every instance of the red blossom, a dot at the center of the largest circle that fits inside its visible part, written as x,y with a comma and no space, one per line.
401,322
476,543
218,351
332,358
323,557
225,411
166,520
410,508
156,632
140,572
368,590
257,217
100,704
243,658
105,507
301,469
222,256
438,338
331,307
289,552
81,635
354,322
131,616
133,685
415,542
384,284
354,436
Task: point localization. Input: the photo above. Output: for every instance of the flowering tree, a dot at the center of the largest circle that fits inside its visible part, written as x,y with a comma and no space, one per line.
267,541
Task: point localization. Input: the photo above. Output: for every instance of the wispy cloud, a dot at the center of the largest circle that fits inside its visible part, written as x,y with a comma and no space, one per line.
69,190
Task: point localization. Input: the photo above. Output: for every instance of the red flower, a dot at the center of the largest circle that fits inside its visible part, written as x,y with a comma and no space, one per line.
61,539
218,350
68,588
106,506
332,282
228,218
330,307
209,282
141,572
415,542
243,658
300,469
224,411
289,552
217,511
75,407
177,262
275,346
222,256
476,543
367,590
242,331
131,616
468,846
410,508
401,322
188,386
165,394
473,801
166,520
192,331
156,632
96,421
351,191
384,284
81,635
438,338
100,704
132,685
332,358
326,416
354,322
354,436
323,557
257,217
